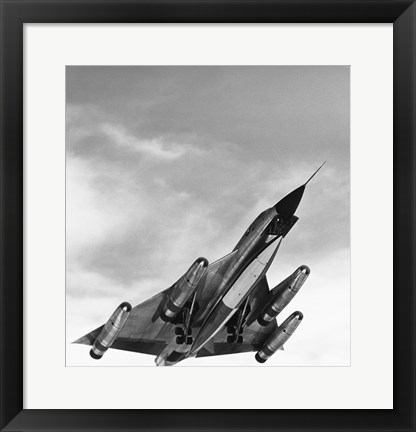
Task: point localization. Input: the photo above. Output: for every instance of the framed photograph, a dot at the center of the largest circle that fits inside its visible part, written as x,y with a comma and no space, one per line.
207,207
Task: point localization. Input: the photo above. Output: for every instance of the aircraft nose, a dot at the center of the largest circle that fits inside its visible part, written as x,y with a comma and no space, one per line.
287,206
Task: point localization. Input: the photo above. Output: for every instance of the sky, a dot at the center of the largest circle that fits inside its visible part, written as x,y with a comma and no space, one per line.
168,163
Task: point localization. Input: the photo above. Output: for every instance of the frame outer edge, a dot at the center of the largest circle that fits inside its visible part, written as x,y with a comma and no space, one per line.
11,215
404,214
11,229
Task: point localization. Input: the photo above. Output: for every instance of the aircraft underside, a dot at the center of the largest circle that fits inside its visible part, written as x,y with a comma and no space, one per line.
251,327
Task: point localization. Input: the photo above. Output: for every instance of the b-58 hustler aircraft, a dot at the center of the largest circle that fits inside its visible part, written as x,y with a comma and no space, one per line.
221,308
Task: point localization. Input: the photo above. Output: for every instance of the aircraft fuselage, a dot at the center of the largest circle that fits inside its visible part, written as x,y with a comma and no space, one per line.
255,252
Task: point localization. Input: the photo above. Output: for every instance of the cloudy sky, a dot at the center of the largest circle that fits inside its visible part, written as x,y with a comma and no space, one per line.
166,164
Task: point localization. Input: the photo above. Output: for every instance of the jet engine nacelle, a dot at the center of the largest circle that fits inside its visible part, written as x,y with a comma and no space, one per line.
279,337
183,289
110,331
282,294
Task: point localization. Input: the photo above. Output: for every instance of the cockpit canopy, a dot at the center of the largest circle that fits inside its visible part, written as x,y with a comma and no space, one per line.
280,226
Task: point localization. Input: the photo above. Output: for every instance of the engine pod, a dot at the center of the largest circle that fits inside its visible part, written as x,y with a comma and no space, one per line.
283,294
183,289
279,337
110,331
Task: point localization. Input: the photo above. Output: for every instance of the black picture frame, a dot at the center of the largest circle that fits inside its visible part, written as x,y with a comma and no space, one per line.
14,13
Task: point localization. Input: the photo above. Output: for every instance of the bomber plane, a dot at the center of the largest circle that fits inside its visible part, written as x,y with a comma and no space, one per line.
225,307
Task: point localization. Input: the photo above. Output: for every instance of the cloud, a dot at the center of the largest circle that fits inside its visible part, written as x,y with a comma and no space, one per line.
87,126
153,148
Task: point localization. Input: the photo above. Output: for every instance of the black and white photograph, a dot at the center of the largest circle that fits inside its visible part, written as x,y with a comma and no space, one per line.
207,216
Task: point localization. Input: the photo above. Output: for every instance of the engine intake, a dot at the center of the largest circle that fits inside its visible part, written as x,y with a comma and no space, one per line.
183,289
279,337
110,331
283,294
